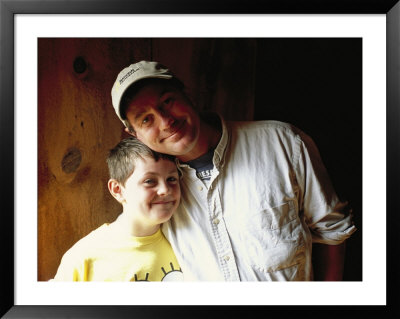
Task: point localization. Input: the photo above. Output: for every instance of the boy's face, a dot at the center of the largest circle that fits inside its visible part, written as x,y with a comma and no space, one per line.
152,193
163,119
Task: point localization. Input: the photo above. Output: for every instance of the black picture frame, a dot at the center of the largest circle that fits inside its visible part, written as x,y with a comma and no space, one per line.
8,10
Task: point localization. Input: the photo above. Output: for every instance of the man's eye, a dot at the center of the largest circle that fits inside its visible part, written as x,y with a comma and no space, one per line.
146,120
168,101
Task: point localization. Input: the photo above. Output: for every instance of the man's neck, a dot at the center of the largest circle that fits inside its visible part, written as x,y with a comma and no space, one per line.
209,138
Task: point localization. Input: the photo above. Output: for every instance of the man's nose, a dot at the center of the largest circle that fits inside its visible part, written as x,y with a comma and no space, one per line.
166,120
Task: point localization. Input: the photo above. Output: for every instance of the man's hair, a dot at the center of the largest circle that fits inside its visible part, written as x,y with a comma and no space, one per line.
134,89
122,158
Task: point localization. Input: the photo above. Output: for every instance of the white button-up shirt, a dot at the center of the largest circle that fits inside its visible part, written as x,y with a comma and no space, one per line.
269,198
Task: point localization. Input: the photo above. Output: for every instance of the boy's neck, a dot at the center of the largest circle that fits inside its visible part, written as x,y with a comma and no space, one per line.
126,225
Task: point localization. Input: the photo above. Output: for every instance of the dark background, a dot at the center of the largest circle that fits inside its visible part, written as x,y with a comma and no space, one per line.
316,84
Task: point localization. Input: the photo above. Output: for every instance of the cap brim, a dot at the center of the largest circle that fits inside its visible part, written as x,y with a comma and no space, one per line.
126,87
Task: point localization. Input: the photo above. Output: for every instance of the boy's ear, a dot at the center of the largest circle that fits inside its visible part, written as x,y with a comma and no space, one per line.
115,189
130,132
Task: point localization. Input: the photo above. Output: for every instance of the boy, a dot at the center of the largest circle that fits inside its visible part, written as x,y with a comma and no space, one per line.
132,248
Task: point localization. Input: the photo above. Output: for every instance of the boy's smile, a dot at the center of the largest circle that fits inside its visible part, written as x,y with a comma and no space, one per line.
150,195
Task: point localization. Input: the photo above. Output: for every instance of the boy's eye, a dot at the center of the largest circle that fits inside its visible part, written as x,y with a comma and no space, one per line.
149,181
172,179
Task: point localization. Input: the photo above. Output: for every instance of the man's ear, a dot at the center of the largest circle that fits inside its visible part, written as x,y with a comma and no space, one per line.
130,132
116,190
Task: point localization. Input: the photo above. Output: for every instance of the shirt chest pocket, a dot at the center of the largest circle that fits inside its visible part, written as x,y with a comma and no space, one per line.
277,217
279,224
274,237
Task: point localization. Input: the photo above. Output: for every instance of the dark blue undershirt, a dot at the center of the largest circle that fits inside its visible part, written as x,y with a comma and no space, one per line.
203,165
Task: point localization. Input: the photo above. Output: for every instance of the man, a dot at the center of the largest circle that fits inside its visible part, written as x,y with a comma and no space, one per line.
255,195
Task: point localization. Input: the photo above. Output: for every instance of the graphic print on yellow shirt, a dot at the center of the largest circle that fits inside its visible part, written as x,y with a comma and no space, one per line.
169,275
106,255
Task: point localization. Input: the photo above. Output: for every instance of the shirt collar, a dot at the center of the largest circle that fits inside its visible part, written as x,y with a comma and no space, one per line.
220,150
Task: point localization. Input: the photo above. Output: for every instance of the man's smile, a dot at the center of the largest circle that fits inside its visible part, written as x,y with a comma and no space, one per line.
177,127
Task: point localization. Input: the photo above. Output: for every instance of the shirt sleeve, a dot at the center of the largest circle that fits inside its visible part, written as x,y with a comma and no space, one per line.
71,269
329,219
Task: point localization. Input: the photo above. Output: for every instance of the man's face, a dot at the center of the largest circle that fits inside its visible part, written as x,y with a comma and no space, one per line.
152,193
163,119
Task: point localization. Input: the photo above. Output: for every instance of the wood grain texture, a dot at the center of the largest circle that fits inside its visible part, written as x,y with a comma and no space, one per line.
77,125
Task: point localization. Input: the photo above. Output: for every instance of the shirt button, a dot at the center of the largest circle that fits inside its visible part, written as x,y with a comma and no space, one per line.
216,221
226,258
200,188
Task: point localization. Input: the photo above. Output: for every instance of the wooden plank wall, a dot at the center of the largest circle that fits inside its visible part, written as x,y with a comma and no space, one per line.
77,124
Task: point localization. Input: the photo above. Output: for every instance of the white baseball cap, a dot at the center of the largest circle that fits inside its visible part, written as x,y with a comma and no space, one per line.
132,74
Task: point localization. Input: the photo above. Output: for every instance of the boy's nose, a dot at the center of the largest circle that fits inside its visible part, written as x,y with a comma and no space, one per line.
164,189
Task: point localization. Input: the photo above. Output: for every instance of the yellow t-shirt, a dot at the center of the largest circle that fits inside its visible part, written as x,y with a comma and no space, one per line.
107,255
